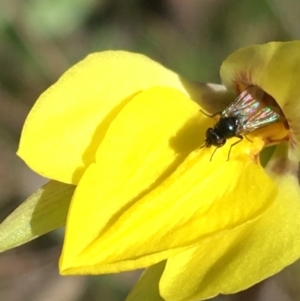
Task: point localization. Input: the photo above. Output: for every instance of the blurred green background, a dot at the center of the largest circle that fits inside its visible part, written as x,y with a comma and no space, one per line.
40,39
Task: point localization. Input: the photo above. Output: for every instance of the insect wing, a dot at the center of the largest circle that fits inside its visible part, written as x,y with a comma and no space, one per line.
245,104
263,117
252,113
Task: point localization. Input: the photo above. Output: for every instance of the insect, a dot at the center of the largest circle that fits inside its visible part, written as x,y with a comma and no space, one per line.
245,114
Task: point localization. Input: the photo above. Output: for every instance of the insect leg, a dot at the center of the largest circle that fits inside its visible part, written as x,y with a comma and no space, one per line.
213,154
235,143
203,145
211,116
248,138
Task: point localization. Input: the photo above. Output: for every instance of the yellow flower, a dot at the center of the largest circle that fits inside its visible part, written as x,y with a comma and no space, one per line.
128,133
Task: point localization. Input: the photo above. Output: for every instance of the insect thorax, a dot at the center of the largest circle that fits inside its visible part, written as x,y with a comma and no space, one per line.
227,126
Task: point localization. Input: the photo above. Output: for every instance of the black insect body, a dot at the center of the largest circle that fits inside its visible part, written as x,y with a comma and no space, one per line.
225,128
247,113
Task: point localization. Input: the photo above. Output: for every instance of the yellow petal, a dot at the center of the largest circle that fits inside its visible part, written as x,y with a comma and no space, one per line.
41,213
69,120
136,155
275,67
131,222
146,288
237,259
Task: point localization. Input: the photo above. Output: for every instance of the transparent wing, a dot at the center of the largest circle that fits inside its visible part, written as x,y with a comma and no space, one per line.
259,119
247,103
251,111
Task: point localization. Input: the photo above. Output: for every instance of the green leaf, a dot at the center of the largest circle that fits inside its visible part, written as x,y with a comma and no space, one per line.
42,212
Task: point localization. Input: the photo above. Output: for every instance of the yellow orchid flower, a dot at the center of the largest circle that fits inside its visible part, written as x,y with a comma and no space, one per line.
122,138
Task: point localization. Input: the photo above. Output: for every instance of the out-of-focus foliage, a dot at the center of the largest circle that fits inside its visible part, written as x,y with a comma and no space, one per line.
40,39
